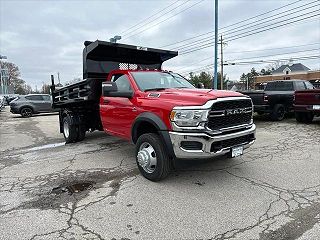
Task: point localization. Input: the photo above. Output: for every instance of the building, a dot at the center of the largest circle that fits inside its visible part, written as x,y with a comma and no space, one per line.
290,72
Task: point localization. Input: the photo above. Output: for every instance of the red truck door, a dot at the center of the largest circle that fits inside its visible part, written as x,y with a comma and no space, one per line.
118,113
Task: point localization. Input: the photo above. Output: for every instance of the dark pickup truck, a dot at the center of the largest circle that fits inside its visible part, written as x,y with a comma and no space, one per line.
306,105
277,97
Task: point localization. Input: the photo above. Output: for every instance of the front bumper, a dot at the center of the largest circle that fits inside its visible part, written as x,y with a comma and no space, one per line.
208,146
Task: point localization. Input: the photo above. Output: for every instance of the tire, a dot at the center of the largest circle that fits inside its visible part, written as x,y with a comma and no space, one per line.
81,132
70,131
309,117
299,117
304,117
26,112
278,112
150,149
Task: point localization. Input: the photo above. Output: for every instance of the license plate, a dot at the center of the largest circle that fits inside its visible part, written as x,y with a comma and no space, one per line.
236,151
316,107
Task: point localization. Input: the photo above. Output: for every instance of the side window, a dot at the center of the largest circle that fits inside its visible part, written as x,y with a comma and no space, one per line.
123,83
308,85
300,86
46,98
34,98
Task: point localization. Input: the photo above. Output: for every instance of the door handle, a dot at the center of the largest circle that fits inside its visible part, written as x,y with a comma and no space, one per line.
134,109
106,101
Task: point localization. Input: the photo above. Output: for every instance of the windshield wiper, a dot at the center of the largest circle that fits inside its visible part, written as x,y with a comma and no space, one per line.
154,89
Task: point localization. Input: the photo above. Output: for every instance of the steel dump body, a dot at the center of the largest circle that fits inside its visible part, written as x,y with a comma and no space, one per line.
99,59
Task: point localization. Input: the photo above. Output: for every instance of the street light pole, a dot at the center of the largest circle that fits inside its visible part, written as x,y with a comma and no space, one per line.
221,66
215,78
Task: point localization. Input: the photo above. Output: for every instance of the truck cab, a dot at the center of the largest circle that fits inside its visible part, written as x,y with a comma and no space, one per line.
126,94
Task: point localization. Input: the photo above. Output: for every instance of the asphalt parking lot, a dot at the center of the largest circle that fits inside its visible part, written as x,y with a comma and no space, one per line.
93,190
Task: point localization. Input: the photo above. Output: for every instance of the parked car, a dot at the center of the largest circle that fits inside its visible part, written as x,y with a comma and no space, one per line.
31,104
277,97
1,103
307,105
9,98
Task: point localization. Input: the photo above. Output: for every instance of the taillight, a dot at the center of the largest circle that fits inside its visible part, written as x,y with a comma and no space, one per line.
265,98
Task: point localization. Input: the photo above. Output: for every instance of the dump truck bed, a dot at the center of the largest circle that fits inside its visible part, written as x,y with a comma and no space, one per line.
99,59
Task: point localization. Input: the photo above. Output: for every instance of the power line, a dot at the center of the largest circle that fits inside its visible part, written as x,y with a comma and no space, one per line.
272,61
267,49
309,50
238,29
244,20
304,14
259,15
208,40
251,32
143,22
254,62
166,19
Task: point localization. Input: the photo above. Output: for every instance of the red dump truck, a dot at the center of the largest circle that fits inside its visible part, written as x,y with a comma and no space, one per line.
126,94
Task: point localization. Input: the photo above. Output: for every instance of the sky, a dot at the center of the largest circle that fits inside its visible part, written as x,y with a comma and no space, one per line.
46,37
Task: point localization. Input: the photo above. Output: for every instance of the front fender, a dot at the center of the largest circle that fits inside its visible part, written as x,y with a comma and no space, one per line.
157,122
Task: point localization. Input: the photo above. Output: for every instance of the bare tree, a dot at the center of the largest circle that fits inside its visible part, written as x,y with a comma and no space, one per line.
19,85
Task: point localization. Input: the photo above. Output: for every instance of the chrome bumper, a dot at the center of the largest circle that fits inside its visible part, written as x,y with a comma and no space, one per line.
207,141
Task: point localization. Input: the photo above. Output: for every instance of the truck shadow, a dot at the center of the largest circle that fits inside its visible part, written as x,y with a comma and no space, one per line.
35,115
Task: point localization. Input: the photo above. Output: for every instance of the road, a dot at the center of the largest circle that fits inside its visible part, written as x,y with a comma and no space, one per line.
93,190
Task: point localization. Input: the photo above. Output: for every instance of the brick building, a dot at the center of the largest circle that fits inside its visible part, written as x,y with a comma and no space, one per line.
290,72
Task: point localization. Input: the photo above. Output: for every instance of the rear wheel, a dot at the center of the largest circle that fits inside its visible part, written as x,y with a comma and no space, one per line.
26,112
278,112
309,117
81,132
70,131
299,117
304,117
152,158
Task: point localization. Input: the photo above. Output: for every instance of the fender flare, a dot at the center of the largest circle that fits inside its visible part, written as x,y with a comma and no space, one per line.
158,124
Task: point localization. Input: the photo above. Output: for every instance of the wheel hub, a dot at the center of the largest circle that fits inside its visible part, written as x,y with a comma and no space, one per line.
144,158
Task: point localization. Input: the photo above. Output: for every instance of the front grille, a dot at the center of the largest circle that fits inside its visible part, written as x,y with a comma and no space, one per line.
230,113
216,146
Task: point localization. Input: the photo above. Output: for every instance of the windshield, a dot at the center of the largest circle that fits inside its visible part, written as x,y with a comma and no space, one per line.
160,80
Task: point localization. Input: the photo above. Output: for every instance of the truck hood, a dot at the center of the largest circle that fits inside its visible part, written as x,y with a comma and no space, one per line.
190,97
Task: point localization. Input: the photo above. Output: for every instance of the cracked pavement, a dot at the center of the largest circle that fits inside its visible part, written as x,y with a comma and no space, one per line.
270,192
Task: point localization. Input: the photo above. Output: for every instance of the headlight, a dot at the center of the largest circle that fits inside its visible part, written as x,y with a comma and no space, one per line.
188,118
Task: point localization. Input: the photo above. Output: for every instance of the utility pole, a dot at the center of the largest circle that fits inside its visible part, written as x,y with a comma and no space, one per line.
4,77
215,78
221,64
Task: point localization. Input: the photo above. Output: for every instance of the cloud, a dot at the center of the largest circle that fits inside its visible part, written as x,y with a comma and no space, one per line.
46,37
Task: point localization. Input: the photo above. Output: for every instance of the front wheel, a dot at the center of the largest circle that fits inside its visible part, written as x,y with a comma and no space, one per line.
152,158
